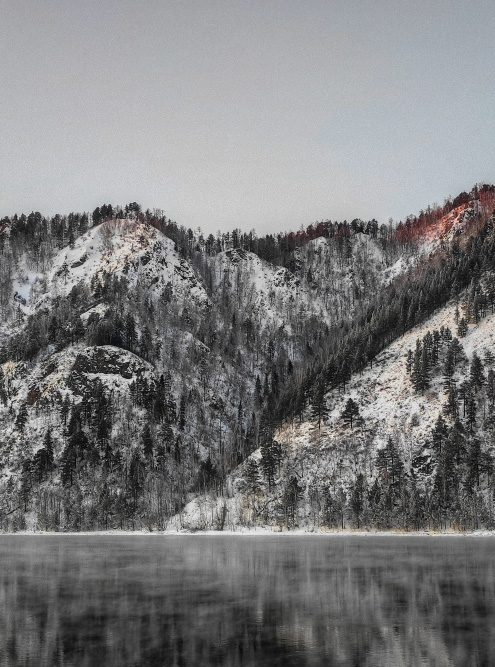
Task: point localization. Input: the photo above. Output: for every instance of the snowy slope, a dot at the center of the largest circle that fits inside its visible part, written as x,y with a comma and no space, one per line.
126,248
272,295
333,455
114,248
71,374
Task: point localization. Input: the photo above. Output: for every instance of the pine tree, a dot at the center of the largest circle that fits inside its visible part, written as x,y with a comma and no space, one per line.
462,328
48,447
270,459
65,409
474,465
251,476
258,393
439,435
358,495
465,393
22,416
458,441
476,373
446,334
350,414
451,407
3,393
428,346
435,347
182,411
448,369
135,478
409,361
290,501
425,370
130,332
319,409
471,410
390,465
447,479
64,271
43,459
490,387
489,357
148,445
457,351
68,462
416,374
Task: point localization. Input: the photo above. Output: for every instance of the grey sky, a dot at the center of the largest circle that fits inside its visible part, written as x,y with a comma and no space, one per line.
245,113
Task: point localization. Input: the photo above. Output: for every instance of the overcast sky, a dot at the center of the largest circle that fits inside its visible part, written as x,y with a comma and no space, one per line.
245,113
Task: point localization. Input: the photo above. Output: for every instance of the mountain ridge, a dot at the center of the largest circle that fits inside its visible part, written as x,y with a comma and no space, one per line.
221,345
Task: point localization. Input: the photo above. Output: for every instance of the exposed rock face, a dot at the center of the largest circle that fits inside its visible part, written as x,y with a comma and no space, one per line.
76,371
109,361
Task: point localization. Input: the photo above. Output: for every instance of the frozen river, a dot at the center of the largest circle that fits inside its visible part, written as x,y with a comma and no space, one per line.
247,600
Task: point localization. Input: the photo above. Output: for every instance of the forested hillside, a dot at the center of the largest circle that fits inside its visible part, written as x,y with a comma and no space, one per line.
144,364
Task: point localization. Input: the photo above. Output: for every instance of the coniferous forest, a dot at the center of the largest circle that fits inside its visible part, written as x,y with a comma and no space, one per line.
152,373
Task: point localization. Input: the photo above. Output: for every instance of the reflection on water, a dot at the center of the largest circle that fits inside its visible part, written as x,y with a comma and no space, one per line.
231,601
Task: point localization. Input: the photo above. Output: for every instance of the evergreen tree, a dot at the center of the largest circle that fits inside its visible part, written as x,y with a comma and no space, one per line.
130,331
490,387
390,465
447,478
446,334
424,379
136,477
168,437
462,328
290,499
439,435
270,459
489,357
319,409
335,509
416,367
409,361
448,369
357,499
435,347
22,416
43,459
457,351
182,411
451,407
65,409
471,410
474,465
458,441
350,414
465,393
68,462
251,476
476,373
3,393
148,445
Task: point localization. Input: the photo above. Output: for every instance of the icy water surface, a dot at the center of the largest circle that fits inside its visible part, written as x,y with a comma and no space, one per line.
200,601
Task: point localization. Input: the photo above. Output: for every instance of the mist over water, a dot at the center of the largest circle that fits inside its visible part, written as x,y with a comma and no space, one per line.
199,600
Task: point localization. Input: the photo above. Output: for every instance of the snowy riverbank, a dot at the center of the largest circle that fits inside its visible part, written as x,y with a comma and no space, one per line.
258,532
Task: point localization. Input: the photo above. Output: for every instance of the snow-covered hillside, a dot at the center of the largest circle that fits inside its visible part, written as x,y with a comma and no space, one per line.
71,376
137,251
142,363
271,295
331,457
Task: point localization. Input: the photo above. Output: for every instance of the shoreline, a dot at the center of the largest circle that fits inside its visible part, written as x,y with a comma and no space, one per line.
259,532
